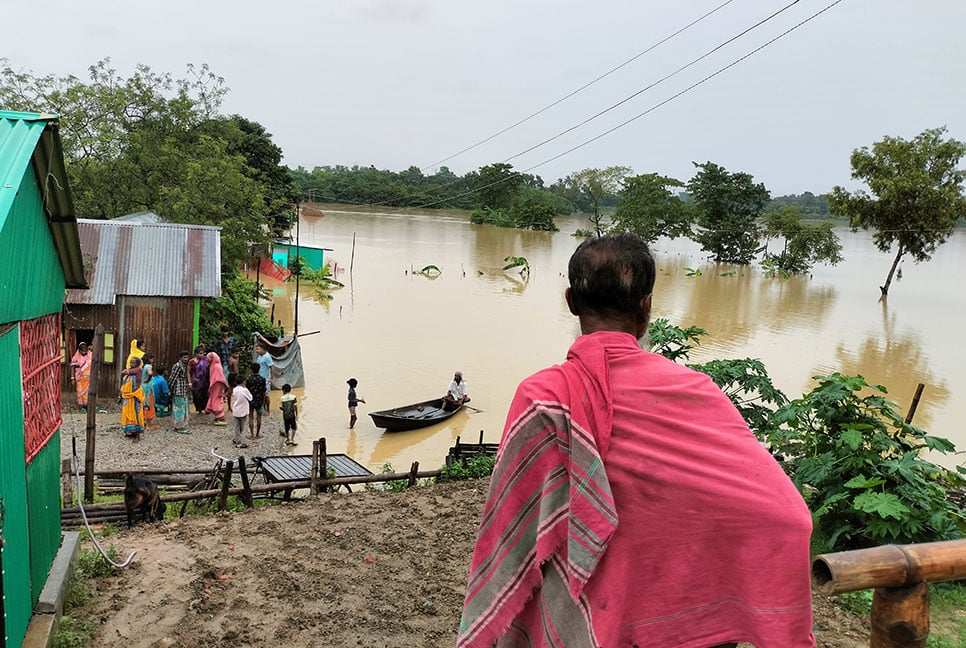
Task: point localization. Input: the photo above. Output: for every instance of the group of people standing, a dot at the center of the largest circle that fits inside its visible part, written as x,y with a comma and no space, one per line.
208,379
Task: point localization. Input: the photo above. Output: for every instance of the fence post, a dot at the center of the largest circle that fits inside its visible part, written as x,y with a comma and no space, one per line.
323,461
412,474
246,495
900,617
225,485
314,477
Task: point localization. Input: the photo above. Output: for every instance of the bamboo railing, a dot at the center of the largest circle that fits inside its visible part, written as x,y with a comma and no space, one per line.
900,576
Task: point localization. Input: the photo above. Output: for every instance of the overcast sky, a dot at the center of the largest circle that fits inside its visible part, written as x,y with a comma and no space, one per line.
395,83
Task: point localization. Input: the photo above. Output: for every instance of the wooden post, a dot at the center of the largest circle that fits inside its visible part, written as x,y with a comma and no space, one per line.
66,483
246,495
900,617
323,460
314,476
225,484
412,474
915,403
98,353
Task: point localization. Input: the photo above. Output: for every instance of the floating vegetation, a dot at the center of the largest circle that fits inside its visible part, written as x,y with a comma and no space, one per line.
429,271
728,274
693,272
517,262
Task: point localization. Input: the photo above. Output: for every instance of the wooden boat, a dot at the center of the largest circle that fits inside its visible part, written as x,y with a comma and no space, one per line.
413,417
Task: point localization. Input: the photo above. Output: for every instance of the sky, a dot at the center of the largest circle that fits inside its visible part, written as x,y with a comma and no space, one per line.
394,83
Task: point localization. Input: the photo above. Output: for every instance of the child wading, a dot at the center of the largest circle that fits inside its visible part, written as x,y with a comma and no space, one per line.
353,400
290,413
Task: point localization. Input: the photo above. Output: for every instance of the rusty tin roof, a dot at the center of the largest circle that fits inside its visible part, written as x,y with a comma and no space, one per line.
147,260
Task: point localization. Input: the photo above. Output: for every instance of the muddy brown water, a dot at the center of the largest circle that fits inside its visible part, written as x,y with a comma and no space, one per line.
402,334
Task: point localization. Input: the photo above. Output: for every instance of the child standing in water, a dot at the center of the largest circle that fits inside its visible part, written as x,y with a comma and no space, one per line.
290,413
353,400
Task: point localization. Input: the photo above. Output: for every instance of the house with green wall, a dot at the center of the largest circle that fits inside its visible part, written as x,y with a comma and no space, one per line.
40,258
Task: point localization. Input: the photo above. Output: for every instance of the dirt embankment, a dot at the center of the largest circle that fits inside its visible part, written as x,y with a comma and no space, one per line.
337,571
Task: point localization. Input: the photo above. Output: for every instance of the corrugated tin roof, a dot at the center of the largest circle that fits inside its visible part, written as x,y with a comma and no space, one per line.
35,138
140,217
148,260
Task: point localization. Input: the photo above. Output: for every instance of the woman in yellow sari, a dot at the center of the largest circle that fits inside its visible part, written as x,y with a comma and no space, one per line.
80,364
136,352
132,395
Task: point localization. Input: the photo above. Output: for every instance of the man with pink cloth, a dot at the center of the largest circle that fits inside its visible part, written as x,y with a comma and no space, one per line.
630,504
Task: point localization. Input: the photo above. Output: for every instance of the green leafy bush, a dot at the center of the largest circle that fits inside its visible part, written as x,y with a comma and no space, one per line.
858,465
672,342
474,468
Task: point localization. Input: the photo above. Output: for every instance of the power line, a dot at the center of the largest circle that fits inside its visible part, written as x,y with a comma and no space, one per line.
631,96
653,84
580,89
658,105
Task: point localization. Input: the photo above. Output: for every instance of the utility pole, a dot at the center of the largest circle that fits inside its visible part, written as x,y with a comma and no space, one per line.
298,263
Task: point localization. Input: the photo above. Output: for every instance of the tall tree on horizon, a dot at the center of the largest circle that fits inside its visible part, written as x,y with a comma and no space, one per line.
915,194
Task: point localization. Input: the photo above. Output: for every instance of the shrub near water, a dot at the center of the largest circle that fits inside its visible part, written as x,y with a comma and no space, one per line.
858,465
853,457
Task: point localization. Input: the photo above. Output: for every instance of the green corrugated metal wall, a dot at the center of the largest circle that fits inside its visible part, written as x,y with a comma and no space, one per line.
17,598
43,512
28,244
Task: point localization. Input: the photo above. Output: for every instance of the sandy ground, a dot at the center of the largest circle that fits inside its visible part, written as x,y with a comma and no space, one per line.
369,568
340,570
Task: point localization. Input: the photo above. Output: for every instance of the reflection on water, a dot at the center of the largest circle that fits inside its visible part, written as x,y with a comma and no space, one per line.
402,335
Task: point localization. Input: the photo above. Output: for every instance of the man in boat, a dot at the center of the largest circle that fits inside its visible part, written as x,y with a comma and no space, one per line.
456,395
630,503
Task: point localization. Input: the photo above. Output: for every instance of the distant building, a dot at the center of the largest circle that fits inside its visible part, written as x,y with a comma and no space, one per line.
41,257
146,283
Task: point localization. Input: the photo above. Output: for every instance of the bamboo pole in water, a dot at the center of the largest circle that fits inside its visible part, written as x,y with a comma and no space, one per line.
915,403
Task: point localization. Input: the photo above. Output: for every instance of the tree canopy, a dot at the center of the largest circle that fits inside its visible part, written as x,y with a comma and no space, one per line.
649,209
154,142
915,194
803,244
728,206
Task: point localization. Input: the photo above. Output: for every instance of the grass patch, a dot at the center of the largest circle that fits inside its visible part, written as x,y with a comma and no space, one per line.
72,633
947,612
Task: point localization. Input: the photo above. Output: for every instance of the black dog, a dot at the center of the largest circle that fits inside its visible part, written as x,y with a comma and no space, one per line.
141,498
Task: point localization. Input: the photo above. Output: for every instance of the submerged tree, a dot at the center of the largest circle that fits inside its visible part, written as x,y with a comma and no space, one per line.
650,210
915,194
728,207
596,185
803,244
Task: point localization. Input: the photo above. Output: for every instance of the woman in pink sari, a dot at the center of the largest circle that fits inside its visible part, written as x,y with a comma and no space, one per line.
217,389
80,364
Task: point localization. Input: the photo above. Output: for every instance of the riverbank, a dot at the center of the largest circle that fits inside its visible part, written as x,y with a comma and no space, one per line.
161,448
370,568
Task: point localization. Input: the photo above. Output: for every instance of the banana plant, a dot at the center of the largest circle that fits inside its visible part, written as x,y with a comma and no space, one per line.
517,262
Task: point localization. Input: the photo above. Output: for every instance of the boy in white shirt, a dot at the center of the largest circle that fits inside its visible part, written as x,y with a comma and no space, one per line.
241,400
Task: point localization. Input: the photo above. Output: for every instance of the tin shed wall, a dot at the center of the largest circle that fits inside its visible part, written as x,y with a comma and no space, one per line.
17,601
31,278
43,513
164,324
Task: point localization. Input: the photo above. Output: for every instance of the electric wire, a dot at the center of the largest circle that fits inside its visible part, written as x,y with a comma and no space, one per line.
649,110
580,89
628,98
75,467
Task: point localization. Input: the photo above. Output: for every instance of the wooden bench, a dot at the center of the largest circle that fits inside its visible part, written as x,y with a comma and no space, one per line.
463,452
285,468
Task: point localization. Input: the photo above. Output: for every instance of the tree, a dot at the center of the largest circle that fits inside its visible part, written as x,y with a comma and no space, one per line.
804,244
597,185
153,142
649,209
498,186
916,194
728,206
535,211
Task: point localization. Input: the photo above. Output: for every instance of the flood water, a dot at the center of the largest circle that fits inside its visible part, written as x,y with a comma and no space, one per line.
402,335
